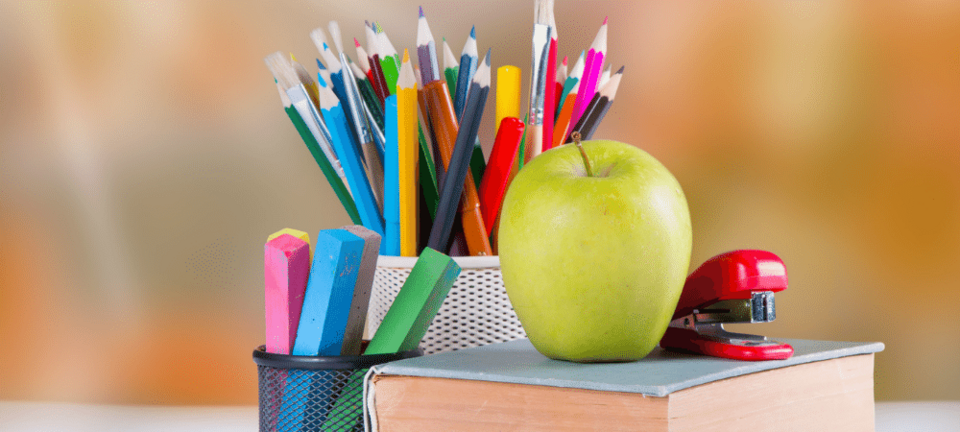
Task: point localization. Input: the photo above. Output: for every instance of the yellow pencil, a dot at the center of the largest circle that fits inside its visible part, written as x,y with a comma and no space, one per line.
409,157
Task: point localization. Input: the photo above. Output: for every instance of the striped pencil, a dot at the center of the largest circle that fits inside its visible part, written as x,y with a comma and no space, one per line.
592,68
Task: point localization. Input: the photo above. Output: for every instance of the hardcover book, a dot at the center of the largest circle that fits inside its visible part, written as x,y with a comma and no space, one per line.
824,386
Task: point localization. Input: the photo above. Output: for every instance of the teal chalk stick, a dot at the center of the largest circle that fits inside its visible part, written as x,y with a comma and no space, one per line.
326,305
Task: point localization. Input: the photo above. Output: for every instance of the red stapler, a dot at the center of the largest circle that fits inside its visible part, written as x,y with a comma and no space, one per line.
734,287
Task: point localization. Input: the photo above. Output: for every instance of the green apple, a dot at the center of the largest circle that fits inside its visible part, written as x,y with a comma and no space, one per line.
594,264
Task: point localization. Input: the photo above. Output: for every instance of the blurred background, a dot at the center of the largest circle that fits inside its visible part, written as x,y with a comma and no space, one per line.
145,157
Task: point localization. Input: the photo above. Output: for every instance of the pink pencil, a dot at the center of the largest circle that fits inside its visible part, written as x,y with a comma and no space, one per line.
593,67
286,267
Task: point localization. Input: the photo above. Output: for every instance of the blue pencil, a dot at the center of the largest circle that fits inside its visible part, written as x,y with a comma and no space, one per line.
346,147
391,179
468,66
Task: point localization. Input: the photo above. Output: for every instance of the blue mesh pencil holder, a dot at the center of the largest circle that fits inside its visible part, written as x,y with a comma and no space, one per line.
308,393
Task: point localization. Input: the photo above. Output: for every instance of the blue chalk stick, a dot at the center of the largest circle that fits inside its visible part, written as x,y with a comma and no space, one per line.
326,304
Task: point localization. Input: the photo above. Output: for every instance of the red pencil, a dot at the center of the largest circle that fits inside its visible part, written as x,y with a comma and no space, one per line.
495,177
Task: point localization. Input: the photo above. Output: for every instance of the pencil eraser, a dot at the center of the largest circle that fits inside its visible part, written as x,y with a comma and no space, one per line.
286,267
361,293
326,303
416,305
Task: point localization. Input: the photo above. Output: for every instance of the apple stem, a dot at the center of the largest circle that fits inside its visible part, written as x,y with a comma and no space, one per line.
586,161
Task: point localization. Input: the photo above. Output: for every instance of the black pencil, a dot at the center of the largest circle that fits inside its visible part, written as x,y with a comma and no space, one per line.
597,109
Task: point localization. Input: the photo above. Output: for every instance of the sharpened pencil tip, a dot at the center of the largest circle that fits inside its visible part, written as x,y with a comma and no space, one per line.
605,20
564,60
473,32
376,25
406,56
620,71
320,65
421,11
356,42
487,58
325,46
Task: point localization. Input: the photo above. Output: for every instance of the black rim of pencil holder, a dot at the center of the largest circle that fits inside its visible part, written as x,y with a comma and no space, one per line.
312,393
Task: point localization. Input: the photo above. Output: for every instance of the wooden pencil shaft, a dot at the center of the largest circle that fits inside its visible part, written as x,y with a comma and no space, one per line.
458,169
426,128
372,101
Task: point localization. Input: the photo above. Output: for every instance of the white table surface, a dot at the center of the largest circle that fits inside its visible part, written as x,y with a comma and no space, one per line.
65,417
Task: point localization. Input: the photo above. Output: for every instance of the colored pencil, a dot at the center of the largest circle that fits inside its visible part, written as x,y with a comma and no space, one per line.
370,139
369,97
494,183
377,80
468,66
604,77
444,122
391,180
353,332
389,60
428,146
550,92
286,266
561,78
542,33
450,68
408,148
458,167
353,166
572,82
598,107
592,68
333,178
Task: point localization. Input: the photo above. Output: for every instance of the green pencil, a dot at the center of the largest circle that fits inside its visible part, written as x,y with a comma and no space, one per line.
450,69
325,166
389,59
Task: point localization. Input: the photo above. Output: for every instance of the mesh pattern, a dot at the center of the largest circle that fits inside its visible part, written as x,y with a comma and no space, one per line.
294,400
476,312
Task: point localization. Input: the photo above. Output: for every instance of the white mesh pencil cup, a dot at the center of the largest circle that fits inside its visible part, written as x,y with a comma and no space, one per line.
476,312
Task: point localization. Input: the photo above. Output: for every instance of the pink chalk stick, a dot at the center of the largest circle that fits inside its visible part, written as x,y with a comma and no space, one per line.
286,268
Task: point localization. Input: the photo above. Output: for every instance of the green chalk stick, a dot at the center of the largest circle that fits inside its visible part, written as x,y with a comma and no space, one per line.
416,304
